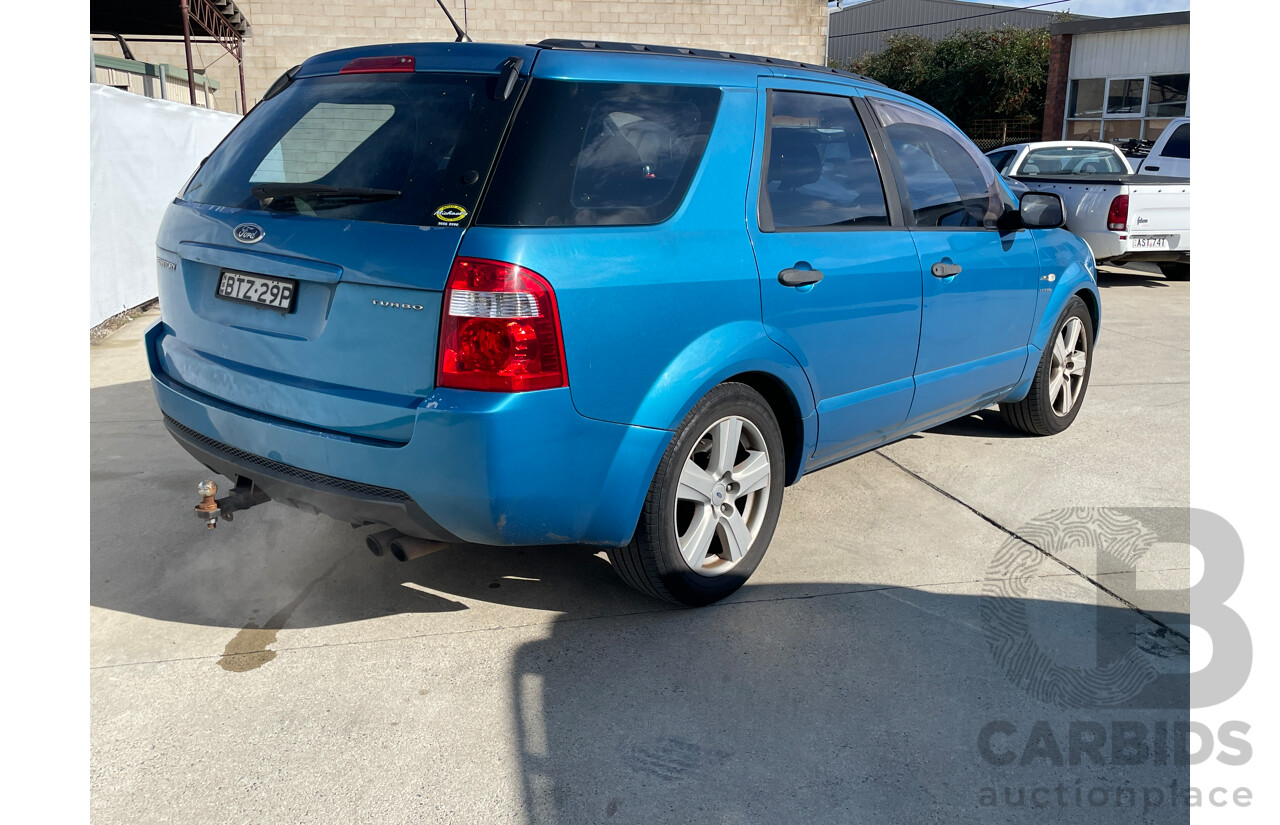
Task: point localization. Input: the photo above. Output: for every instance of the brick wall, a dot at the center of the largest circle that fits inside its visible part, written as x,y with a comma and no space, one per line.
286,32
1055,99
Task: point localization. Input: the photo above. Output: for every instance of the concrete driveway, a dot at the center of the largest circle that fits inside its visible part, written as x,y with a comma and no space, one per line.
922,642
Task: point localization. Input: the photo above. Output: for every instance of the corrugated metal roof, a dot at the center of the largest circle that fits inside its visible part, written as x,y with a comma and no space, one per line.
866,27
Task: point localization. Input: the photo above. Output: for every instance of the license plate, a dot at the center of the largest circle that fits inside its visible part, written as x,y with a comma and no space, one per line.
259,290
1149,242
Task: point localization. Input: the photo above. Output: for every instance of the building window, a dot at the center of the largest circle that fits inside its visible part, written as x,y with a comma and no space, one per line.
1124,96
1086,98
1118,108
1167,95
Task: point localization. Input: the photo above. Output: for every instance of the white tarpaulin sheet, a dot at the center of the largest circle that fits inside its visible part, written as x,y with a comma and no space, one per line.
140,153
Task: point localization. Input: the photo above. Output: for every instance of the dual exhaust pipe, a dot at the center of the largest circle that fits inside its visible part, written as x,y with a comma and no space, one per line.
401,547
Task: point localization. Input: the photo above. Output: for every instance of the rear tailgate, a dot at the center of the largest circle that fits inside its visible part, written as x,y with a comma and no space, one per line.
1159,215
350,193
356,352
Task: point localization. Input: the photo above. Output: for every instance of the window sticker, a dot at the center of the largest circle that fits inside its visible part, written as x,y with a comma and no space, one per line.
450,214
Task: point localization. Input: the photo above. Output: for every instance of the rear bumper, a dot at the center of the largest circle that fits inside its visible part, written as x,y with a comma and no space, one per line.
1118,247
481,468
1162,256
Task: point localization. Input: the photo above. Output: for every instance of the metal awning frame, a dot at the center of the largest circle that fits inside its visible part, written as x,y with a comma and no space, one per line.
210,18
203,21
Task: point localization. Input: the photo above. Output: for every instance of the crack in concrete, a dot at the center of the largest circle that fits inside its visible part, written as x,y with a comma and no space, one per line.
1012,534
1148,340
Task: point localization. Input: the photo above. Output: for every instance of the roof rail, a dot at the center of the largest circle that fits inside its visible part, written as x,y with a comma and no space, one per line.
683,51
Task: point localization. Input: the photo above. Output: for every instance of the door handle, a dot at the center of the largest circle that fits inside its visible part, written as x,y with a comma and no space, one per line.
799,277
1153,168
941,270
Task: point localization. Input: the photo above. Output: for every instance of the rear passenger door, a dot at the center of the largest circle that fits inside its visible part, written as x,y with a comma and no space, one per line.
980,273
840,280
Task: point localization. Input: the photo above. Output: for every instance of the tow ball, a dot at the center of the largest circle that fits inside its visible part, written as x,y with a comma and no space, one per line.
243,496
208,509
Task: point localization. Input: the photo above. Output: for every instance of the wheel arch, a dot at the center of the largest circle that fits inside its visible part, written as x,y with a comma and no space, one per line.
786,410
1075,282
1091,303
735,352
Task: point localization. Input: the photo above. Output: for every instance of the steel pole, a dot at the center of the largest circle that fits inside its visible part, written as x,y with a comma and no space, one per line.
186,42
244,100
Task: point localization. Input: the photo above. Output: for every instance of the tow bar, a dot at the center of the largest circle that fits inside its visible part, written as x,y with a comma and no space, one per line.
243,496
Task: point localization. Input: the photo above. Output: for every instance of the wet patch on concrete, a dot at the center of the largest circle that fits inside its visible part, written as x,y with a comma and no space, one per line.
248,649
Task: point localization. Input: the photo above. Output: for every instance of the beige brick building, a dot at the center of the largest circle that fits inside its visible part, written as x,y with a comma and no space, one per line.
286,32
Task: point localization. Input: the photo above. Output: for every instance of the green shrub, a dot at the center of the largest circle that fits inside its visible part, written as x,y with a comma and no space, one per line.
970,75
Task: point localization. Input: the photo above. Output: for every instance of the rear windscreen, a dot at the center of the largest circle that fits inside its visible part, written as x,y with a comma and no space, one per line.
408,148
588,154
1073,160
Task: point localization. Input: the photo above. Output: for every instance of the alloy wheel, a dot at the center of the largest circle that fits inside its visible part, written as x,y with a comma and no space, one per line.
1067,369
722,495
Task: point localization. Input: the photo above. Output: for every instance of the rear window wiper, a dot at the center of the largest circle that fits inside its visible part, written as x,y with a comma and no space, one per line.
268,193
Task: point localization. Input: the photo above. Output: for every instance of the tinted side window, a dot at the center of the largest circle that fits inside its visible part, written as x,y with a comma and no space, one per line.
948,181
587,154
819,170
1000,159
1179,145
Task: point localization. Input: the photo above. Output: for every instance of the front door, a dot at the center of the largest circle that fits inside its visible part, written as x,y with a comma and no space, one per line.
980,276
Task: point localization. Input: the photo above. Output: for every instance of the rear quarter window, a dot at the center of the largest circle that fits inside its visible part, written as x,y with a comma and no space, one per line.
1000,160
1179,143
592,154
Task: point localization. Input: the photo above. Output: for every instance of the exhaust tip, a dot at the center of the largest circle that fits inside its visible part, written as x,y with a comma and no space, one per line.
406,548
380,543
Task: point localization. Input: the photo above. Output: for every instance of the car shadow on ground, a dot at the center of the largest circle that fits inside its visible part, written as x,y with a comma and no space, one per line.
834,701
987,423
1111,277
784,706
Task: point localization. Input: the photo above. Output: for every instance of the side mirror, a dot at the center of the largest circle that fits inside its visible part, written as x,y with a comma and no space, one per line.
1041,210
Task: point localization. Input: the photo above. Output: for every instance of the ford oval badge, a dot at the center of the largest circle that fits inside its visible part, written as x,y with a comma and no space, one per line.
248,233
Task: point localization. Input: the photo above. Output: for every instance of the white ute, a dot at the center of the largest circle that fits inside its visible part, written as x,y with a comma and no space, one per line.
1170,155
1123,216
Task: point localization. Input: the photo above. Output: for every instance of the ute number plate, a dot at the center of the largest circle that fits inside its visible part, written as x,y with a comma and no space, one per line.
1149,241
259,290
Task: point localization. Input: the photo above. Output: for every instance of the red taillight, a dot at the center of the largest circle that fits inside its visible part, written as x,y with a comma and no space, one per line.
366,65
1118,214
500,331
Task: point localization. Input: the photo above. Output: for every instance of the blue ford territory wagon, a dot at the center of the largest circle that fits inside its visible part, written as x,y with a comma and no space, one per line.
596,293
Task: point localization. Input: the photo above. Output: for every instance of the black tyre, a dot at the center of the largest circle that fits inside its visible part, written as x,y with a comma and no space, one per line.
713,503
1176,272
1062,377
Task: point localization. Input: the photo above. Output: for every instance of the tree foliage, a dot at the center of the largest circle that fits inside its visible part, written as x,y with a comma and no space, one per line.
972,74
